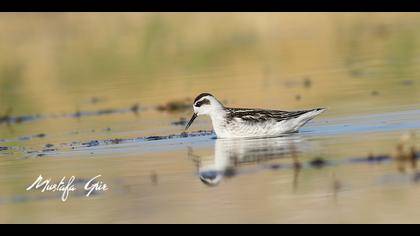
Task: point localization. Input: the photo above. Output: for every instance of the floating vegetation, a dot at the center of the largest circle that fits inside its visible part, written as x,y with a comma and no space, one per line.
154,178
91,143
154,138
307,82
176,105
30,137
374,93
416,177
135,108
275,166
406,152
8,119
41,135
147,138
357,72
106,111
24,138
182,122
116,141
95,100
407,82
318,162
49,150
372,159
304,82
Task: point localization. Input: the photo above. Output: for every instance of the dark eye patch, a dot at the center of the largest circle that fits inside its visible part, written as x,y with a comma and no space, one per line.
202,102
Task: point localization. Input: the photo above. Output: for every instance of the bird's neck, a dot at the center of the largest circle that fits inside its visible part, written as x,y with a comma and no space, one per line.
218,113
218,118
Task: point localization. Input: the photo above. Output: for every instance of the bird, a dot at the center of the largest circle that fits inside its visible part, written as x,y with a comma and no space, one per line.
249,122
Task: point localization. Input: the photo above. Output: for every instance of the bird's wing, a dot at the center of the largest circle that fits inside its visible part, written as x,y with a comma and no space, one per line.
260,115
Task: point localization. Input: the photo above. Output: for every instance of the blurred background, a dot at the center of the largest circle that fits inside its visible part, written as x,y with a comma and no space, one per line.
70,79
55,61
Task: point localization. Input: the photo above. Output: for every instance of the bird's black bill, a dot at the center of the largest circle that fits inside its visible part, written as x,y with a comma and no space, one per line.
191,121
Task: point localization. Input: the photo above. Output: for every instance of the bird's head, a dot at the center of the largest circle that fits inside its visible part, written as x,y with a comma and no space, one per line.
204,104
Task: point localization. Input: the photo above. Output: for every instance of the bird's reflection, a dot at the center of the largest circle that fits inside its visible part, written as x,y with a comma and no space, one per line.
231,154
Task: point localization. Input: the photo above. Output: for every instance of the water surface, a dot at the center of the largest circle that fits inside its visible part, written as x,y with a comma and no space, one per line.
87,94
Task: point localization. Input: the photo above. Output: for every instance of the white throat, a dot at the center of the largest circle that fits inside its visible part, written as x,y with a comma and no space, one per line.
218,119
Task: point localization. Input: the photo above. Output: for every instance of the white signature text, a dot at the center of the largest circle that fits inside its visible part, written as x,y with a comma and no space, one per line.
66,186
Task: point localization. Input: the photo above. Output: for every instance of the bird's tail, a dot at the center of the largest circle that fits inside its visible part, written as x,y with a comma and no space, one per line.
309,115
312,113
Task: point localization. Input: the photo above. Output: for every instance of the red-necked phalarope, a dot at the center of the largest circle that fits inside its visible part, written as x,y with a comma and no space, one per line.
249,123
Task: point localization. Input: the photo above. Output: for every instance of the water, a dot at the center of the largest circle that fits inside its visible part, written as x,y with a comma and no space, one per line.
87,94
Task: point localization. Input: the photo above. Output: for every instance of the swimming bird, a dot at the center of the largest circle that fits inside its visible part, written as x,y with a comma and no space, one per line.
249,123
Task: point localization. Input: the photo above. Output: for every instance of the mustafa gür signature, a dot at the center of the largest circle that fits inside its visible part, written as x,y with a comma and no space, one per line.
66,186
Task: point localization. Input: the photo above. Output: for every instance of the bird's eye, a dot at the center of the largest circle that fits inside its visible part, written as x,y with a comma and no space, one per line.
202,102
